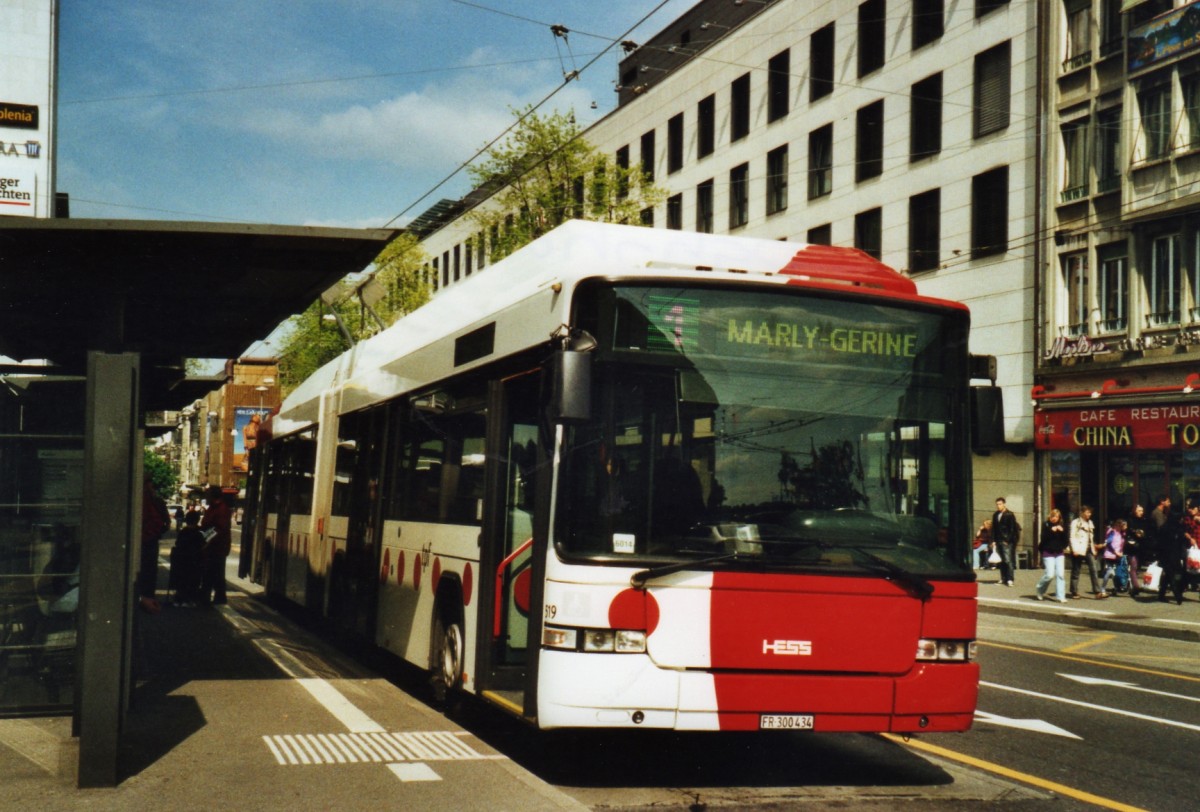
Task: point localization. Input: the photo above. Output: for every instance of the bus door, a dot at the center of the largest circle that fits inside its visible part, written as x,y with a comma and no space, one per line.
511,569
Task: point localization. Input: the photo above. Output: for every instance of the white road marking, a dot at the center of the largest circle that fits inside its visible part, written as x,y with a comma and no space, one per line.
414,772
1068,608
1132,686
1035,725
1092,706
367,740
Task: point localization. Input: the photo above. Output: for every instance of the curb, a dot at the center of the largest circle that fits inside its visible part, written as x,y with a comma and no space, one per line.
1125,624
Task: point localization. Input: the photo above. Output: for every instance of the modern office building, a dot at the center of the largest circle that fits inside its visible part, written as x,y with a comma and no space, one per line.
907,129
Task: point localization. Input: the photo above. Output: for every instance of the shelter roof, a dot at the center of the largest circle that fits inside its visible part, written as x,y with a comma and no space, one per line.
168,290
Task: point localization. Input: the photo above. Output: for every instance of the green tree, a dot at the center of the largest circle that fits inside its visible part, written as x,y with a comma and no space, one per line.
312,340
162,476
544,174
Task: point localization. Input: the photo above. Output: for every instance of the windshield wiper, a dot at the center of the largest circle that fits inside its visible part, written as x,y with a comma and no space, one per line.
916,586
638,579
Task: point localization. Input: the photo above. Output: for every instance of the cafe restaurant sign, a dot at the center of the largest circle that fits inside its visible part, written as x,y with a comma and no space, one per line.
1173,426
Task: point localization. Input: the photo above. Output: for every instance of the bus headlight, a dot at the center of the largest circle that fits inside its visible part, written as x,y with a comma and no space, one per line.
619,641
946,651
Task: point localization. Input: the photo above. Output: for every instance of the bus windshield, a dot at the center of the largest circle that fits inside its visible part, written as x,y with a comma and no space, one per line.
771,427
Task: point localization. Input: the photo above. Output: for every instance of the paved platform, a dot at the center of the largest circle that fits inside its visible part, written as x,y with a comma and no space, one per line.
234,707
1144,614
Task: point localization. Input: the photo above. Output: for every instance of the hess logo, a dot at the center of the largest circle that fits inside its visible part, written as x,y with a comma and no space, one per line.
788,648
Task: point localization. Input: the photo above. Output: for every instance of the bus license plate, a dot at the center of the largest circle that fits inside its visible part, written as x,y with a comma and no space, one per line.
784,722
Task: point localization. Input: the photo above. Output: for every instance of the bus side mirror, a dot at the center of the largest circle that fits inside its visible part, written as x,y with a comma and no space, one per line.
987,418
571,386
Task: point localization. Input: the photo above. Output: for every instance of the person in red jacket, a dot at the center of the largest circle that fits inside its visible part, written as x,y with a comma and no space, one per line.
216,547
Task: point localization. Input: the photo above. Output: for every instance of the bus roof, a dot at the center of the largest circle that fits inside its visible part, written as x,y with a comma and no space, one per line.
523,289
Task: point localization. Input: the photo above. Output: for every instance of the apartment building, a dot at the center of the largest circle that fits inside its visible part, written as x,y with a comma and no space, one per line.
906,128
1117,422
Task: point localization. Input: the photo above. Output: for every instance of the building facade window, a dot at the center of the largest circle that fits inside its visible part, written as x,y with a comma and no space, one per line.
872,36
1190,86
868,150
1079,34
928,22
820,63
1111,38
1108,150
1154,107
992,94
820,162
1078,302
1162,286
925,118
706,126
623,176
779,74
1075,161
1114,287
704,207
739,196
675,143
868,232
648,156
989,213
777,180
985,7
924,230
739,108
647,216
675,212
820,235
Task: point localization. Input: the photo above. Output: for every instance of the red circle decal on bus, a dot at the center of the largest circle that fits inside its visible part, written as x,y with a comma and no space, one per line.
417,571
437,571
400,568
633,609
387,566
468,583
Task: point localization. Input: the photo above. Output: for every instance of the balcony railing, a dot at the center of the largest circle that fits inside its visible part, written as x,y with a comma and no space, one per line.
1162,318
1077,61
1073,193
1113,325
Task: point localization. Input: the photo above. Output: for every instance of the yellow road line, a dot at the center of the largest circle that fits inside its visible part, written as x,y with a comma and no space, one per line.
1016,775
1095,641
1057,656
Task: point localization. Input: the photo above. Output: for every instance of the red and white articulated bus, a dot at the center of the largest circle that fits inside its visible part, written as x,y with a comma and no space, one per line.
631,477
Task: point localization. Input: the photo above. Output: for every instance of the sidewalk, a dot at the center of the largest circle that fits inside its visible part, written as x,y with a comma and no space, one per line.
1144,615
235,707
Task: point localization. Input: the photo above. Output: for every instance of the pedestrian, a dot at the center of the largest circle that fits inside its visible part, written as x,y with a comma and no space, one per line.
1052,544
1112,551
1171,542
1137,543
187,561
982,545
155,521
1006,532
1081,537
216,548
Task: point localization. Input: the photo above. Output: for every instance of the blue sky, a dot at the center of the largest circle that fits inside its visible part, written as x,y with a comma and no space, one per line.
311,112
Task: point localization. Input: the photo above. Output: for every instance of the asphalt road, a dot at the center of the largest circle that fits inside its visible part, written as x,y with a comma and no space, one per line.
1069,718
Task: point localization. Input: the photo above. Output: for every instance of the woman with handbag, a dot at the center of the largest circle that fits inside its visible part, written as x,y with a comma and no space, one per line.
982,545
1080,547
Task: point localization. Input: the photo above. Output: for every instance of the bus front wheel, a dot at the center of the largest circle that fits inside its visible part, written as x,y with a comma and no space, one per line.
449,644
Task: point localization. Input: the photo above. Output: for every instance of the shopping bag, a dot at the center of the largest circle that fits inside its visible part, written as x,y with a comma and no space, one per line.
1150,577
1193,559
994,558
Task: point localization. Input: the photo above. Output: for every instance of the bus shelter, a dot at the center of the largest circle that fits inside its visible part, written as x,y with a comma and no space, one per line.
96,319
